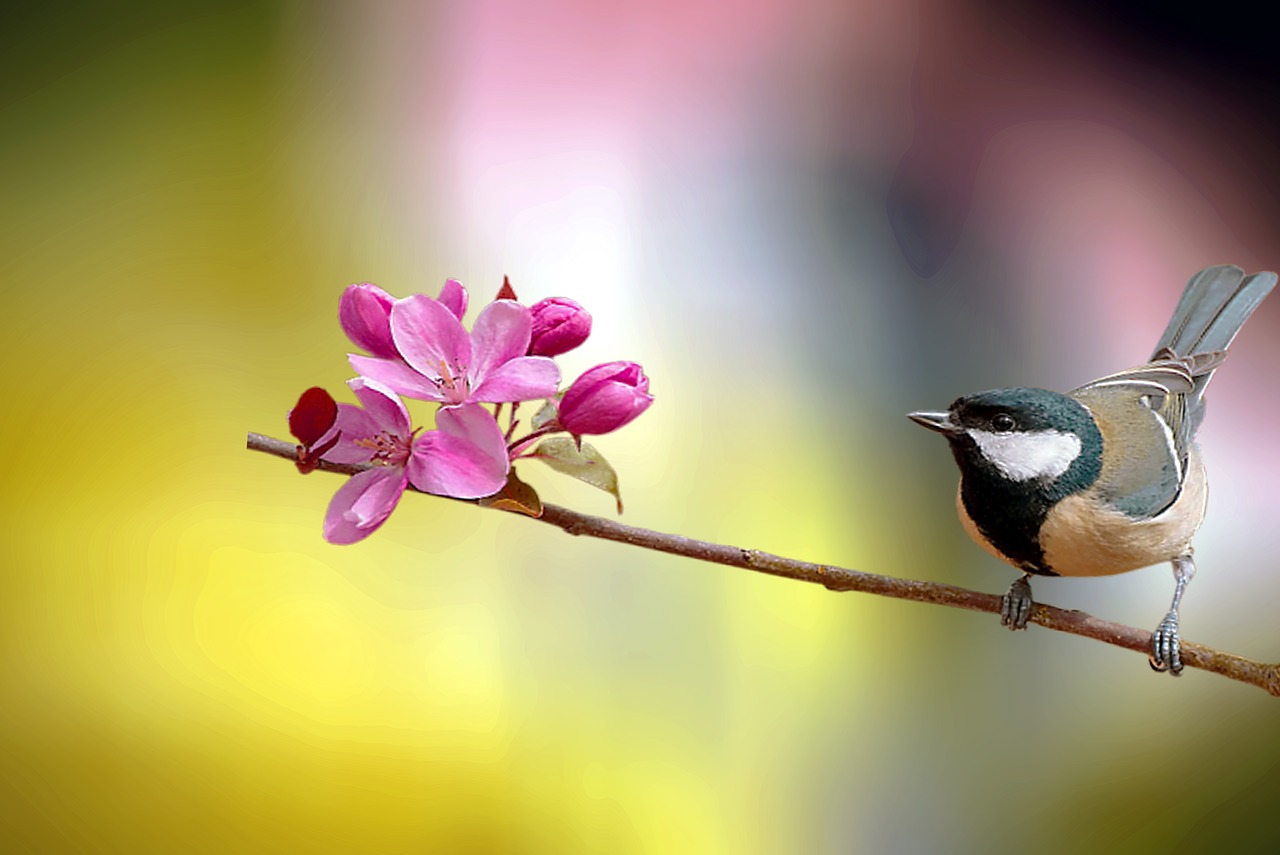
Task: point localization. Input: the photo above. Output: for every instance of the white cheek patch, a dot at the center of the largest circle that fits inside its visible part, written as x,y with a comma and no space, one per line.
1027,455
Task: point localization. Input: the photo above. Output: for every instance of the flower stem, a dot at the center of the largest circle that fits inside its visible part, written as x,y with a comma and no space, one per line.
511,425
514,449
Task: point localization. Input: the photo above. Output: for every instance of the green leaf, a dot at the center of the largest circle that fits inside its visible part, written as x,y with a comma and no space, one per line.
544,416
587,464
516,496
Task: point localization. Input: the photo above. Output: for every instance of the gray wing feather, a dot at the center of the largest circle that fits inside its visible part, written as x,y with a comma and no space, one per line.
1158,380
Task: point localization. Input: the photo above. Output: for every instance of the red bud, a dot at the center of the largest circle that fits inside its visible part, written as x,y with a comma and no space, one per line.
313,415
506,292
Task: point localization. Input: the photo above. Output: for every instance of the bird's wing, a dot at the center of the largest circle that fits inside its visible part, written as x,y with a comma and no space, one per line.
1168,385
1142,466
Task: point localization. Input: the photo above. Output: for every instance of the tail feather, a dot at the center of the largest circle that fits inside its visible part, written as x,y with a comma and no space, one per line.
1216,303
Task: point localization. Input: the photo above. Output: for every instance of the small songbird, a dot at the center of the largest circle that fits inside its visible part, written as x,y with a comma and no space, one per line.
1106,478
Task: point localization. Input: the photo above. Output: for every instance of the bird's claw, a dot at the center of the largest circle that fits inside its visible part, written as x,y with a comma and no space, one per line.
1015,605
1166,647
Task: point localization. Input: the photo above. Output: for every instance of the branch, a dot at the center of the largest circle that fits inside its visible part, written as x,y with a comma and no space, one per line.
839,579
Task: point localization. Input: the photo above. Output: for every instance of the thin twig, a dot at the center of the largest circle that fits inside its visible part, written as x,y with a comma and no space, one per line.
839,579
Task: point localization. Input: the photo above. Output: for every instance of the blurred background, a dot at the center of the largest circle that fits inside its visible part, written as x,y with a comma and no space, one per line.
804,219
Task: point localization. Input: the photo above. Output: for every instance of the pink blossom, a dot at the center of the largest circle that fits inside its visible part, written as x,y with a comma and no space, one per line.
559,325
604,399
440,361
465,457
364,311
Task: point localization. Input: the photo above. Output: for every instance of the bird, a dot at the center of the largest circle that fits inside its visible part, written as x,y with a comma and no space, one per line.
1106,478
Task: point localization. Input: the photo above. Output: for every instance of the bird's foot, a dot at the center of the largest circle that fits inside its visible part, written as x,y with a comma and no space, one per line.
1166,646
1015,605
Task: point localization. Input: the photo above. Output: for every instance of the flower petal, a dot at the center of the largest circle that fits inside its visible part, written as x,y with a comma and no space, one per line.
363,504
396,376
522,379
384,405
453,297
500,334
355,424
429,337
476,425
466,457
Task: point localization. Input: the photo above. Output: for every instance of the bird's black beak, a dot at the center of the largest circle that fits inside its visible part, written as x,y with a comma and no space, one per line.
940,422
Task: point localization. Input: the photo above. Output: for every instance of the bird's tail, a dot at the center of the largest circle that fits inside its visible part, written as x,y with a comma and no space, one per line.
1216,303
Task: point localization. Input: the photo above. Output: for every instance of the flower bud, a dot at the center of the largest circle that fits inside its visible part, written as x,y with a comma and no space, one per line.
506,292
605,398
365,314
311,420
559,325
313,415
453,297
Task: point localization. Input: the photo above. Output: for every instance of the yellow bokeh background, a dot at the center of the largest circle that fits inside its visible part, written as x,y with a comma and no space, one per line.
188,667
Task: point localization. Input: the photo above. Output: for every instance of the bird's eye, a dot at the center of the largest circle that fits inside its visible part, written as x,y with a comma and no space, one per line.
1003,422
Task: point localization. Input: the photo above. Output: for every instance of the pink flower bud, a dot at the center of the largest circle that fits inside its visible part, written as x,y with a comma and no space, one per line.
605,398
365,314
559,325
453,297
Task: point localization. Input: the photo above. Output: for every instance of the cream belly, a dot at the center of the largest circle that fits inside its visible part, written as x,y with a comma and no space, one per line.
1079,538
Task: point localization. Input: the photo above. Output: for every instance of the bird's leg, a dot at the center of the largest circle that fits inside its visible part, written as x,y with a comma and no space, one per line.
1166,647
1015,605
